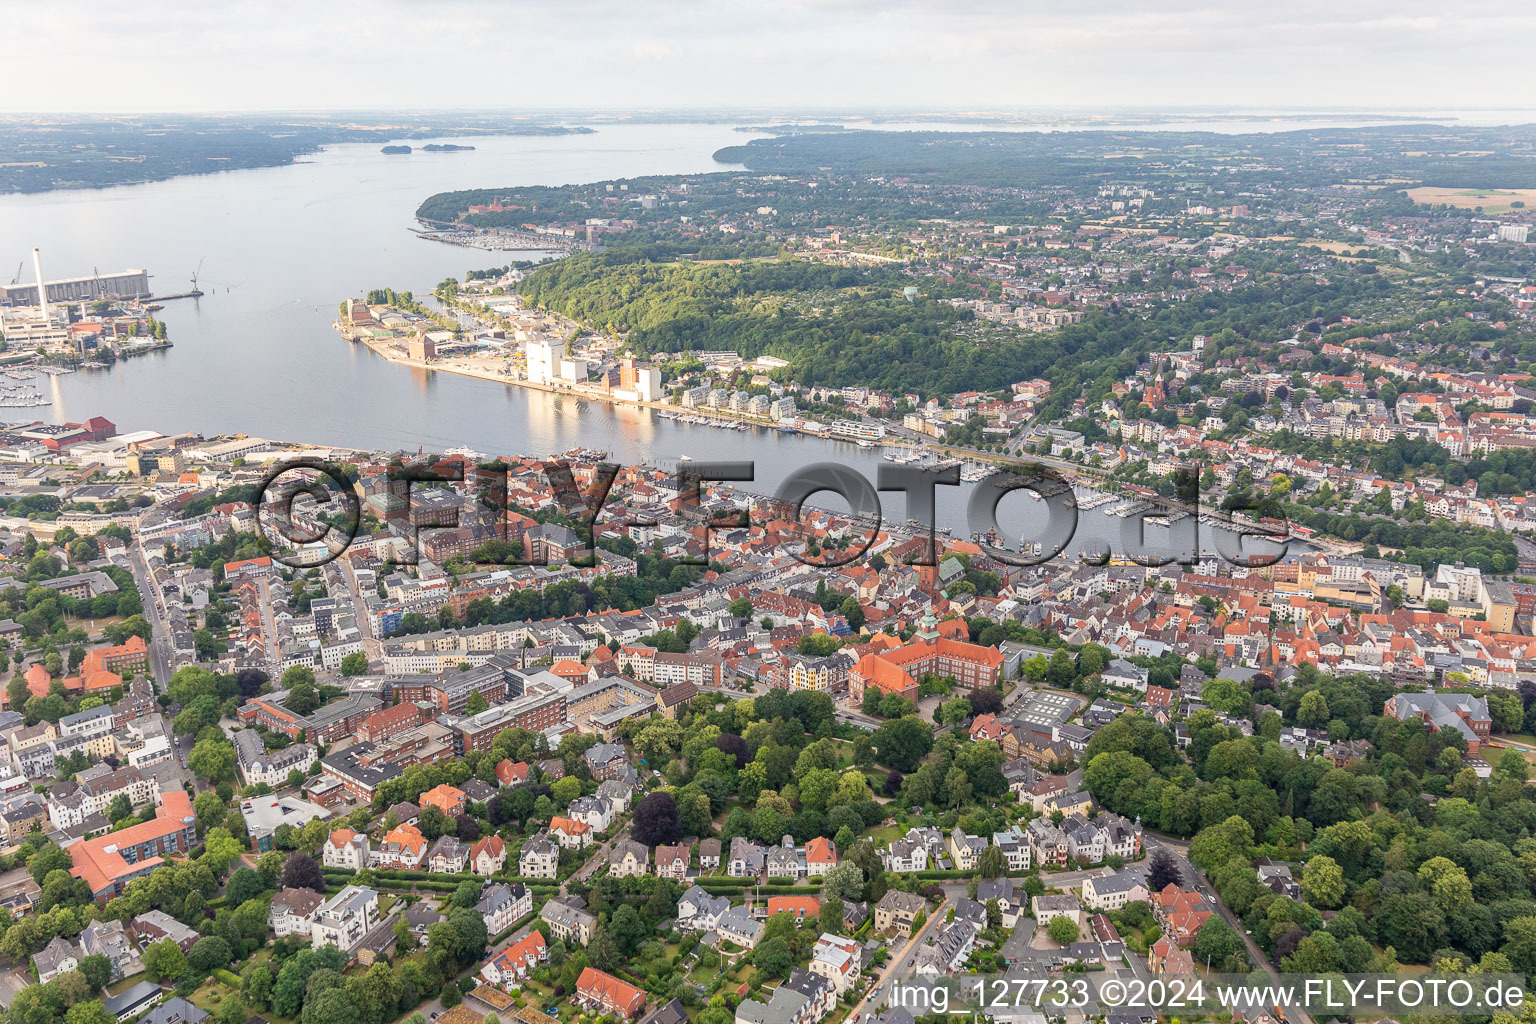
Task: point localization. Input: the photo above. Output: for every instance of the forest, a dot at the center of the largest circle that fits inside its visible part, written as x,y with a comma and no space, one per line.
1421,879
844,326
1429,154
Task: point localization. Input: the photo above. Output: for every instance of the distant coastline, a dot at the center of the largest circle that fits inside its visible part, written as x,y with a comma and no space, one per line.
431,147
70,155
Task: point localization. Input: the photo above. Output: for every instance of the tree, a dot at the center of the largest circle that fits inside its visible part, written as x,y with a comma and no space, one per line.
256,985
213,759
208,954
220,850
302,872
1062,929
773,958
986,701
47,859
92,1011
244,884
302,698
1313,709
164,961
1216,941
655,820
1162,870
953,712
476,704
354,664
845,882
904,742
831,917
990,864
328,1004
97,971
741,608
208,807
1322,880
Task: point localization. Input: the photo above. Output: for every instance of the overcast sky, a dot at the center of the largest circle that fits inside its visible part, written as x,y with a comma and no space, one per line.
180,55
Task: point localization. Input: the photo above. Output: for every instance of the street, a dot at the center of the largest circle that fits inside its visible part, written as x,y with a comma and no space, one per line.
149,596
900,965
1180,850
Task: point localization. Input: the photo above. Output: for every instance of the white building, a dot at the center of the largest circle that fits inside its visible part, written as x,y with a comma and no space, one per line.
345,918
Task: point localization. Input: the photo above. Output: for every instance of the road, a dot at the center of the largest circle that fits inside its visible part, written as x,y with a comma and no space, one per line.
900,965
1180,850
598,859
154,610
372,647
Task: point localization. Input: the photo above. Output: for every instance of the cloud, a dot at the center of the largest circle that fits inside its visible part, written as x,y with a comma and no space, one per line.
654,49
887,54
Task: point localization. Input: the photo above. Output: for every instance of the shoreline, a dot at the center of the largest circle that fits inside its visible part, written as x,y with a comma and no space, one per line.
714,417
1092,479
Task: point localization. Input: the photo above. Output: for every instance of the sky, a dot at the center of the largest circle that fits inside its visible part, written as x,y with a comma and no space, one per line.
607,55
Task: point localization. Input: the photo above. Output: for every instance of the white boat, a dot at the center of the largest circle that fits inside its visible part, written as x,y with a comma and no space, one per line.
685,458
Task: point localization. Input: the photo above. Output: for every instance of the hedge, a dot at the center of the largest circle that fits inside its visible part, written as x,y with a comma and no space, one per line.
715,889
438,876
227,976
514,926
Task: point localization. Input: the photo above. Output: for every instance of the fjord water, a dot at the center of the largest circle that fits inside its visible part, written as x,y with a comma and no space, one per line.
281,247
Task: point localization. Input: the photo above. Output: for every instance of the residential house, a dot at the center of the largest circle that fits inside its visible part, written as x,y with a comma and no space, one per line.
672,861
739,926
567,922
345,918
837,959
1048,906
905,855
784,860
966,849
487,856
896,911
709,854
747,858
697,910
820,856
54,959
154,925
514,963
448,856
110,939
628,859
798,907
501,905
569,833
1015,846
292,912
345,849
1114,891
601,992
1010,899
540,858
404,848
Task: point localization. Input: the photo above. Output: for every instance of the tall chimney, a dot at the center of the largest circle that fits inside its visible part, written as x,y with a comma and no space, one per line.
42,287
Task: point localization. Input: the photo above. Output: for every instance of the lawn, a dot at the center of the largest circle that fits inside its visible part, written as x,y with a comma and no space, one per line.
210,995
117,988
